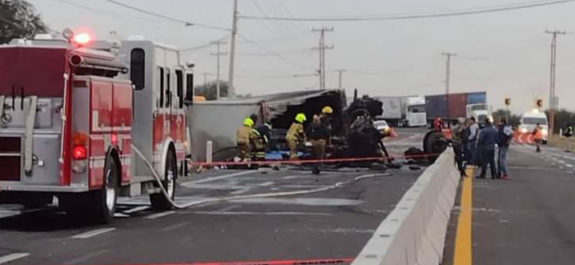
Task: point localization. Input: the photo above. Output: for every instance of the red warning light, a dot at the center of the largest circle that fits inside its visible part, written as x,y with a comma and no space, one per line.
82,38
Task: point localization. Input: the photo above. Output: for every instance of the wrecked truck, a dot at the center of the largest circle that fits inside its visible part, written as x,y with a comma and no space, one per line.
353,132
217,121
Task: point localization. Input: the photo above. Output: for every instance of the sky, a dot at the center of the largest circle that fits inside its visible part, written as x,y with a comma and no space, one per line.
506,54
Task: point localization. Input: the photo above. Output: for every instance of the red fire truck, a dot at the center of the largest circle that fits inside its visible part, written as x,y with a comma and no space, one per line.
83,126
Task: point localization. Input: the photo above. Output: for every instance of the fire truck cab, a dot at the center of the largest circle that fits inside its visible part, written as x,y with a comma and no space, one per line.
87,125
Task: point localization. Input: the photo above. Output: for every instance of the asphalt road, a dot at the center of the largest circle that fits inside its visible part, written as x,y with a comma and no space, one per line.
528,219
330,224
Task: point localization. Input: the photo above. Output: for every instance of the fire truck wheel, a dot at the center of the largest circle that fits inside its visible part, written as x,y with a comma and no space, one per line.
158,200
106,198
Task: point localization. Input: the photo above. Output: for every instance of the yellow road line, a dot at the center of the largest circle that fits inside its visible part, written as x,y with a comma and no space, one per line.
463,247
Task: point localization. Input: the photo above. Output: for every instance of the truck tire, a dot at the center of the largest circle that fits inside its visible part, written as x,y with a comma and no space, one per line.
96,206
158,200
106,199
434,143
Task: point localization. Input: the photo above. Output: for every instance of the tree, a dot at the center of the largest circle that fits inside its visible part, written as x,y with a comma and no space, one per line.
208,90
562,119
18,19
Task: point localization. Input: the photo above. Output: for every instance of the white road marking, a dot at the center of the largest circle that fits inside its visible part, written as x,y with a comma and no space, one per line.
241,173
159,215
265,184
136,209
121,215
93,233
12,257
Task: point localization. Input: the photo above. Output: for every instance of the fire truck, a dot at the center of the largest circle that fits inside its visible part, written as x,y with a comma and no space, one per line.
89,124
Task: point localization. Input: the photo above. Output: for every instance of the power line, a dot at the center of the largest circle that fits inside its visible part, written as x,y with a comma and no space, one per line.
203,46
186,23
466,12
277,55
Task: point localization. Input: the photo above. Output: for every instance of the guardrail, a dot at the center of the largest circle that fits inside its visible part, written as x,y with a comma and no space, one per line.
414,232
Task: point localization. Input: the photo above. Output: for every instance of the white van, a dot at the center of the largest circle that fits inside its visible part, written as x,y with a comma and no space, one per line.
529,121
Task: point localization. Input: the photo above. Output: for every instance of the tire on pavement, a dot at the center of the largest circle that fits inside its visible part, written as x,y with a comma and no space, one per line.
96,206
158,200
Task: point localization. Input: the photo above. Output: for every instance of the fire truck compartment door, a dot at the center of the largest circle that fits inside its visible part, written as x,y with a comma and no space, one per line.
45,165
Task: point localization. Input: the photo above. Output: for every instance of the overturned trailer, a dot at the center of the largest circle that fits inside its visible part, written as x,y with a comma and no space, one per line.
217,121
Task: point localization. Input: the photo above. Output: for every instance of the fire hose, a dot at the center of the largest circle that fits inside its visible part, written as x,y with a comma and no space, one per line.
158,180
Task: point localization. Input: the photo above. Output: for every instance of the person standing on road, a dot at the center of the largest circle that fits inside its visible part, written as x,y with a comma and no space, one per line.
487,140
538,135
318,133
505,135
473,133
458,134
296,135
244,136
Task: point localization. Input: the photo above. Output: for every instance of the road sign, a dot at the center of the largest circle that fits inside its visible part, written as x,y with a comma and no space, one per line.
539,103
507,101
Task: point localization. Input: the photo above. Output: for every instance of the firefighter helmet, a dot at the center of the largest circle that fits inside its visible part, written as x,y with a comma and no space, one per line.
300,117
327,110
249,122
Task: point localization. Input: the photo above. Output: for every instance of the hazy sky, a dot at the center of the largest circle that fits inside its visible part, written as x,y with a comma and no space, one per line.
505,54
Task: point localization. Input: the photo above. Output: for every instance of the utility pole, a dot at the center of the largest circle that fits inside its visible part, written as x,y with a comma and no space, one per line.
447,82
218,53
340,72
231,87
552,78
322,47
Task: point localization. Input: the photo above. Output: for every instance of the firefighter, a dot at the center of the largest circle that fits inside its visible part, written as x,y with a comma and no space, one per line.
538,135
265,131
258,145
327,121
568,131
261,137
243,139
296,135
319,135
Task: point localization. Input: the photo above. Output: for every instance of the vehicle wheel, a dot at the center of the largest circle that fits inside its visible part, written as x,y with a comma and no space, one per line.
158,200
96,206
105,199
434,143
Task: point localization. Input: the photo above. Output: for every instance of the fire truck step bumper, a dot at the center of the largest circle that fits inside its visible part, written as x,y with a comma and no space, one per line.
17,186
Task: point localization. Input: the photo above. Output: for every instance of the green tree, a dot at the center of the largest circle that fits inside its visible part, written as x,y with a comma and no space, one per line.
208,90
562,119
18,19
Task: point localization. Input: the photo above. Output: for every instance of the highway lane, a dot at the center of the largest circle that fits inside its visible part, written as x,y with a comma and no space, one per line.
330,224
528,219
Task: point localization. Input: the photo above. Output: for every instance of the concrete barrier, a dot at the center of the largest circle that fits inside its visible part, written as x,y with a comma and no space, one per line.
414,232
